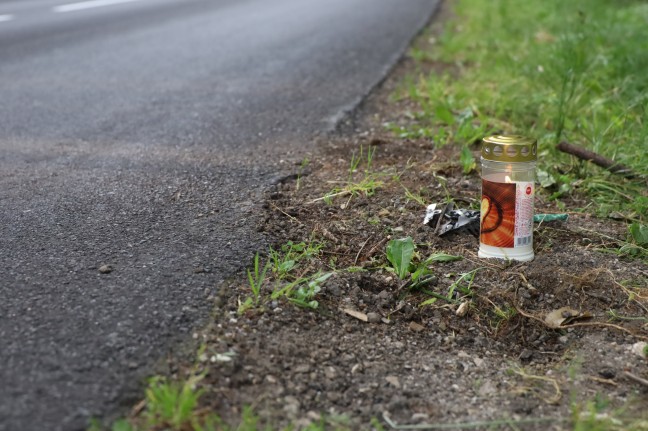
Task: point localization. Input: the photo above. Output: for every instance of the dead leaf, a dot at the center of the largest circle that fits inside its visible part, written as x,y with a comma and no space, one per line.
357,314
564,316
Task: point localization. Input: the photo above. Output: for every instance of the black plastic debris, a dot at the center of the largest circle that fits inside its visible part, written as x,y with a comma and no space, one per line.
445,219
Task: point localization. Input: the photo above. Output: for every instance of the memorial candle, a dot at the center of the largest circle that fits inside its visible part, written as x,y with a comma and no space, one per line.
508,190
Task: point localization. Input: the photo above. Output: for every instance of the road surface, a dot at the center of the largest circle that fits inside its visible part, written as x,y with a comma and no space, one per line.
141,134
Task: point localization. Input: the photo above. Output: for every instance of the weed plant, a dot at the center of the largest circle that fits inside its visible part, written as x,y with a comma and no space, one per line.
367,183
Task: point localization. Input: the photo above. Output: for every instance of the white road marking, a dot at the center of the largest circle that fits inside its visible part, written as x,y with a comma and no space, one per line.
71,7
4,18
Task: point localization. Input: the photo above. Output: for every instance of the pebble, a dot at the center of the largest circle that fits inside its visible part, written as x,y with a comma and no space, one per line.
526,355
462,309
314,416
330,373
291,405
416,327
303,369
334,290
105,269
384,294
607,373
373,317
487,388
420,417
639,349
397,403
393,380
333,396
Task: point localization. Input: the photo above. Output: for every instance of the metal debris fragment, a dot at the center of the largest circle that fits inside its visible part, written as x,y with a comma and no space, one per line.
444,218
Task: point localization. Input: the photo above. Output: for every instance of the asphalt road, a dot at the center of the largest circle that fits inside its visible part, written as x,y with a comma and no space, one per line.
141,134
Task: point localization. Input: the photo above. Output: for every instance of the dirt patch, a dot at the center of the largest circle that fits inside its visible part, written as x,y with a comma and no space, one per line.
482,354
426,364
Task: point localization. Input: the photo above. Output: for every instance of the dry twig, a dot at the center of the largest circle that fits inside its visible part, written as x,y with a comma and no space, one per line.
635,378
597,159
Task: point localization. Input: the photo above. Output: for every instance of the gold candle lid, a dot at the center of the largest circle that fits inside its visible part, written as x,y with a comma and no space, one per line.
511,148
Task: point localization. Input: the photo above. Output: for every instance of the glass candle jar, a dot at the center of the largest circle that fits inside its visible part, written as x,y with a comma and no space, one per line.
506,220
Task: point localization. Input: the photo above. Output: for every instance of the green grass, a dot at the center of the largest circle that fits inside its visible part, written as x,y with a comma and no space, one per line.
573,71
174,406
256,277
596,415
287,258
289,273
359,182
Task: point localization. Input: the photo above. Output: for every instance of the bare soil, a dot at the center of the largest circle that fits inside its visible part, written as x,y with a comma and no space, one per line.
426,364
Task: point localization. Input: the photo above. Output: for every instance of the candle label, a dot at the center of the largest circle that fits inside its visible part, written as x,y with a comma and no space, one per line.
524,194
507,214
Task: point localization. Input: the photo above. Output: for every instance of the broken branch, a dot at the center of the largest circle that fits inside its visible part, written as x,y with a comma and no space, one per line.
597,159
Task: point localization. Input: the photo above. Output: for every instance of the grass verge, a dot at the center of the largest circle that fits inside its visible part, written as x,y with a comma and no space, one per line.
572,71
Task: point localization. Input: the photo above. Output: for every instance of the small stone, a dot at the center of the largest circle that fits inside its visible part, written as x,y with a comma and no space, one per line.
314,416
478,362
607,373
384,294
271,379
487,388
639,349
333,396
564,339
357,368
330,373
373,317
334,290
396,403
105,269
420,417
393,380
291,406
462,309
416,327
303,369
526,355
